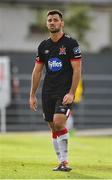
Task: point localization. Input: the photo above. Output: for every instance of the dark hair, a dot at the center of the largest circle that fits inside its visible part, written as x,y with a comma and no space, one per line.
55,11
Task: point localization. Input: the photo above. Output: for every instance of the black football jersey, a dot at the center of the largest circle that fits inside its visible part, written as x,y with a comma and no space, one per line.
57,57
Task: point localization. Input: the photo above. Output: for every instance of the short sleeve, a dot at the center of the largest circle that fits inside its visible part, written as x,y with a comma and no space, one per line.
74,51
39,56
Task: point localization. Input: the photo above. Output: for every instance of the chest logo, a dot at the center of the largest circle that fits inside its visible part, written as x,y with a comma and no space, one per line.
62,51
55,64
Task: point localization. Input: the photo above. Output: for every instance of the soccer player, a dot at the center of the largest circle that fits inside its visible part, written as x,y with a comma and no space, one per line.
61,56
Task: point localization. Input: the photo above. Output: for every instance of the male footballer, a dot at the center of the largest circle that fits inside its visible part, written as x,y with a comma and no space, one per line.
61,56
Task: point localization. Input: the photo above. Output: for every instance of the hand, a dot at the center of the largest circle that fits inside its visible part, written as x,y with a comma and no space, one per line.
68,99
33,103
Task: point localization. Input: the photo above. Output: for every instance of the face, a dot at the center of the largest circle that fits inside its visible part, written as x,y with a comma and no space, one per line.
54,23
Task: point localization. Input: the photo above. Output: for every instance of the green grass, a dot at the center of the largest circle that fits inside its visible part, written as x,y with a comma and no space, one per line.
31,156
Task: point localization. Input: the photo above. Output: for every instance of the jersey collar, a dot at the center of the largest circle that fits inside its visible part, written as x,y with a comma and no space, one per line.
58,39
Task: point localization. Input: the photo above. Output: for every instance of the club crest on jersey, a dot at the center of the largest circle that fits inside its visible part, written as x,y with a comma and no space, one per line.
62,51
54,64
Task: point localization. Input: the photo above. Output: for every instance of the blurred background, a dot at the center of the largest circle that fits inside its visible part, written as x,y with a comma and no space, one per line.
22,28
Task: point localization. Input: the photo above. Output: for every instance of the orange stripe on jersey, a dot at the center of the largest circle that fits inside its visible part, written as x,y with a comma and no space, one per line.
75,59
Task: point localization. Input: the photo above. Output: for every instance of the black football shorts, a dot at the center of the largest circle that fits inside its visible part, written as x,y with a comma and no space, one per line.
52,105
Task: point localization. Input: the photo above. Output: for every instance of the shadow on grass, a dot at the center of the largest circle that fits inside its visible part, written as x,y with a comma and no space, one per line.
39,170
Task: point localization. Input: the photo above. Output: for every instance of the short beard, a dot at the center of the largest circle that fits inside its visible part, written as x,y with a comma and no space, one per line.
54,31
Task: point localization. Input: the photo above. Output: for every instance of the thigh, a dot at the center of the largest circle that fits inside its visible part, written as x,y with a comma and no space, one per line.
61,113
48,105
62,109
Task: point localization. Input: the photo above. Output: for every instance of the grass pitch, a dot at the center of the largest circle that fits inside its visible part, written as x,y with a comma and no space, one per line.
31,156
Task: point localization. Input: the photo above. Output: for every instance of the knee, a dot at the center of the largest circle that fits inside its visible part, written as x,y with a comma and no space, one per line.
58,125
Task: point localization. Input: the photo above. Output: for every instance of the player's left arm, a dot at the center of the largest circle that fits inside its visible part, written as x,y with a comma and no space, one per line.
76,66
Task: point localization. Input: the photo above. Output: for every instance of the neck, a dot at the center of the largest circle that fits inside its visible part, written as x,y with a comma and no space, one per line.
56,36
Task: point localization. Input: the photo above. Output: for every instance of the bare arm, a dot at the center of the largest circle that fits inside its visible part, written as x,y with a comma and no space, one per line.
36,75
76,76
68,98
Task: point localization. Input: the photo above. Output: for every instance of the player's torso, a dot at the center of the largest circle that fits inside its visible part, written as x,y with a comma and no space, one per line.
58,67
56,56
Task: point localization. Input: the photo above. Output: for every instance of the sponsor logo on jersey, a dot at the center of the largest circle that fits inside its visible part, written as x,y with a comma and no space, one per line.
76,50
55,64
62,51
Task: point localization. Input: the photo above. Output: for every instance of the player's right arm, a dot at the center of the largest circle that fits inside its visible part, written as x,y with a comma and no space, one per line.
36,76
